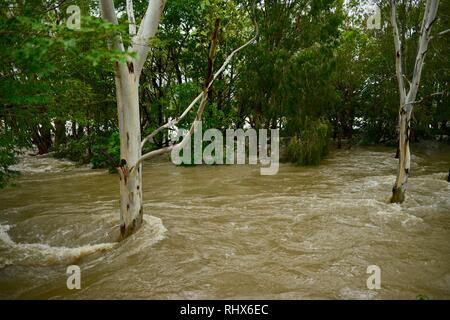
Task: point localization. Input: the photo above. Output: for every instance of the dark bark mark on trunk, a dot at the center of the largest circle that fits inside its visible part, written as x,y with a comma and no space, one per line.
130,67
124,169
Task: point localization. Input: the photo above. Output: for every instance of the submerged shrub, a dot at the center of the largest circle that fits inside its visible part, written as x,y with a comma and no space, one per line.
102,150
312,145
106,151
8,157
75,150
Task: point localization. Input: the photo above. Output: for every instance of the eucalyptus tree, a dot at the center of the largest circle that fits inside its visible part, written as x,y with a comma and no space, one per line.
287,81
408,94
127,76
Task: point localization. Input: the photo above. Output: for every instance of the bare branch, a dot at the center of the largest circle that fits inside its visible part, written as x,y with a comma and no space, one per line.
398,53
443,32
428,19
109,14
147,30
200,96
153,154
131,19
406,78
440,34
150,137
204,96
172,122
430,96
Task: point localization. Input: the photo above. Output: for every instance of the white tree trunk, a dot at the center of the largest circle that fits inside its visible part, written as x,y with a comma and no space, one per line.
404,164
407,100
130,140
127,94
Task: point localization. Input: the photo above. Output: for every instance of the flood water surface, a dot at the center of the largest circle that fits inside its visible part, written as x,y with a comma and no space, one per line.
226,232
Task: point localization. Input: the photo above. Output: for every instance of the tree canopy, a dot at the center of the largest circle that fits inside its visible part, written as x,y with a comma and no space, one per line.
316,72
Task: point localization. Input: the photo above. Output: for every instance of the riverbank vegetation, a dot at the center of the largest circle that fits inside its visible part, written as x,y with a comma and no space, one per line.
321,71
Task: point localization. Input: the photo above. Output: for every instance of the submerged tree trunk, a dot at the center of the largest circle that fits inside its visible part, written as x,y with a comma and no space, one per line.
42,137
404,156
127,95
60,132
130,139
127,87
407,100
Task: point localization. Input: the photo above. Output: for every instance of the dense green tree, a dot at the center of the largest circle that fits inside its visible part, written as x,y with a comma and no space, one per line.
316,71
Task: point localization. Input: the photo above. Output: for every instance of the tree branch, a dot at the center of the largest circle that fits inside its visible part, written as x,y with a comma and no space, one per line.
204,96
443,32
200,96
428,19
406,78
147,30
131,19
150,137
429,96
440,34
398,53
109,14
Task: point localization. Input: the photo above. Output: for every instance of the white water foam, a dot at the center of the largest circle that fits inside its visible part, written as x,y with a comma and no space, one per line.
151,232
29,163
41,254
38,254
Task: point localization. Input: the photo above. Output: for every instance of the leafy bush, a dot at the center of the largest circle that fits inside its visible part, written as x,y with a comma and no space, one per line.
7,158
101,150
74,150
312,146
106,151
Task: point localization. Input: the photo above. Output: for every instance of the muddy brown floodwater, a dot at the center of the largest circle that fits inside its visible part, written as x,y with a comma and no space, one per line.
226,232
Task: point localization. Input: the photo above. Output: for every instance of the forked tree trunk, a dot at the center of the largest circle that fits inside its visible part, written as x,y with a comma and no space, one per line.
407,100
127,86
127,95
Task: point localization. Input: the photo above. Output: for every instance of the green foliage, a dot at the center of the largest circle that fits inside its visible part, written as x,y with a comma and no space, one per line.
314,65
75,150
7,158
101,149
106,151
312,145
